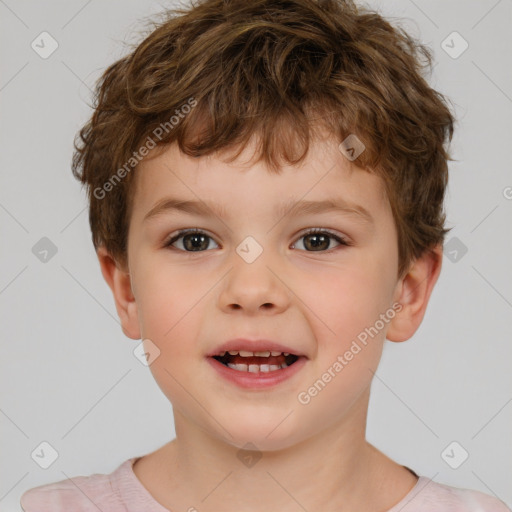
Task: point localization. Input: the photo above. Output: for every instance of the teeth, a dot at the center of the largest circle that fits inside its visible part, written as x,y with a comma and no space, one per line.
247,353
256,368
239,367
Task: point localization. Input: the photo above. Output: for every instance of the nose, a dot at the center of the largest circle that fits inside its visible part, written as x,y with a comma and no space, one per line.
254,288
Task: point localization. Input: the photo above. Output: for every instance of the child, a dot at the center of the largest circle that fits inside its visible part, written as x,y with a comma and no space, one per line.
266,184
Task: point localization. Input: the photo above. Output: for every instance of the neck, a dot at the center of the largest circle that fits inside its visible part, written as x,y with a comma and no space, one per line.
336,469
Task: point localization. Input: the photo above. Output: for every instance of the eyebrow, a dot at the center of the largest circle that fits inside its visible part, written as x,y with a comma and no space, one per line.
302,207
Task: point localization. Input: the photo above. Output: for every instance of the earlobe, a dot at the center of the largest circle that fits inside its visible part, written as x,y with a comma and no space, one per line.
119,281
413,293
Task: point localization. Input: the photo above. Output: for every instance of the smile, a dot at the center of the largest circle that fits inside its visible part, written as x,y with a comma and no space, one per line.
256,362
257,369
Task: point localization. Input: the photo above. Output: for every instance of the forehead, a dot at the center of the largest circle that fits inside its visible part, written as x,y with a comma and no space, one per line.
247,185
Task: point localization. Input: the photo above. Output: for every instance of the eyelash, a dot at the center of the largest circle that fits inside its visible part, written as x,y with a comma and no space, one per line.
342,241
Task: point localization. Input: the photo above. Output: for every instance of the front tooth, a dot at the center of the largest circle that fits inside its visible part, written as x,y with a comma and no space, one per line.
245,353
264,353
233,352
286,353
240,367
275,353
256,368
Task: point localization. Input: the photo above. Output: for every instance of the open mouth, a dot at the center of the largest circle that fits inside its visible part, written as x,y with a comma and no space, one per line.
256,362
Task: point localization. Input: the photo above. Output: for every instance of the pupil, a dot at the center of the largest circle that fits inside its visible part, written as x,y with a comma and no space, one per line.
316,241
197,242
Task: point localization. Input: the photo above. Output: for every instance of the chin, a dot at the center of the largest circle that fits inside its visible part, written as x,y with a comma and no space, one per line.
261,437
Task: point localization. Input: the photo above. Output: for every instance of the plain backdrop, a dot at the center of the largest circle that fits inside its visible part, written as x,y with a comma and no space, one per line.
68,374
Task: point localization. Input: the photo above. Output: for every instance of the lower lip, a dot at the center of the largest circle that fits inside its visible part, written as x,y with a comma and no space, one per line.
258,380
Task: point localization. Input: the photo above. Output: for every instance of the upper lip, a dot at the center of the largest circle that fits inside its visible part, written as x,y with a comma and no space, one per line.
253,346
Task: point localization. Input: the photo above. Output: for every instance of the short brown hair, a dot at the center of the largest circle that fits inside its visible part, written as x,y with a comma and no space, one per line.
272,68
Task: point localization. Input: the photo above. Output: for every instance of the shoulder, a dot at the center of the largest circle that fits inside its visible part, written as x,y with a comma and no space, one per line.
79,493
61,496
428,495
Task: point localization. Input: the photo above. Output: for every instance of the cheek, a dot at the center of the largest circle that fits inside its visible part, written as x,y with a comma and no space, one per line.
347,302
349,348
168,307
169,313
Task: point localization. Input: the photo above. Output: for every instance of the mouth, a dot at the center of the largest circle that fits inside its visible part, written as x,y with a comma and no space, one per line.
257,362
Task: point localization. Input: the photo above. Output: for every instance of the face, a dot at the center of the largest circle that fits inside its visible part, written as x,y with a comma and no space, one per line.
320,293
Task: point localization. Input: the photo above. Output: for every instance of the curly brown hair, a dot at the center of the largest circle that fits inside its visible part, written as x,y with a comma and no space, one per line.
275,69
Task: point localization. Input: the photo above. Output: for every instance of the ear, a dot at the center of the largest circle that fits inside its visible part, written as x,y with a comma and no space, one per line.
413,293
119,282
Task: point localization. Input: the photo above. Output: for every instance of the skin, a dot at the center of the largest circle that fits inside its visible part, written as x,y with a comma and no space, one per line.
314,456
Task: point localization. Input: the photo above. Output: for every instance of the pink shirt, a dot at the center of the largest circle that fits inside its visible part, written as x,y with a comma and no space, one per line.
122,491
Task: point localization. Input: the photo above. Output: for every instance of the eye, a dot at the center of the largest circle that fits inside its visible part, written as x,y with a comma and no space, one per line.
190,240
319,240
196,240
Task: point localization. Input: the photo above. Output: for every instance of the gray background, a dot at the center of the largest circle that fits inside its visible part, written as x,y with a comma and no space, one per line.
69,376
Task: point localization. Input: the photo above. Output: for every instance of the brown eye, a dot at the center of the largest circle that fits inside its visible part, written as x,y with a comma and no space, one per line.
320,241
190,241
316,242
